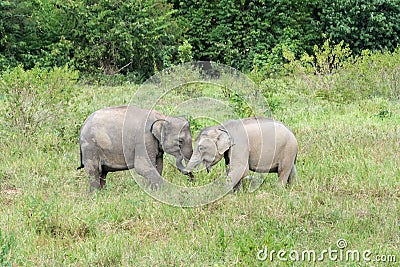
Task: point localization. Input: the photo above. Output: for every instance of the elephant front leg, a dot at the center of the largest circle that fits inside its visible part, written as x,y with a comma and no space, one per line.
159,164
227,163
237,166
147,168
235,175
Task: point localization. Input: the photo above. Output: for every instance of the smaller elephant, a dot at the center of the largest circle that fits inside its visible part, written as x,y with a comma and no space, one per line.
257,144
125,137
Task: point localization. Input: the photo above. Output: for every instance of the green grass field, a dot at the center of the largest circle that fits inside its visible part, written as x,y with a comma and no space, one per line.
348,188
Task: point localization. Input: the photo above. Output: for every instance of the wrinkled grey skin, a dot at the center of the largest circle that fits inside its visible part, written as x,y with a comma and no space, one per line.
257,144
111,142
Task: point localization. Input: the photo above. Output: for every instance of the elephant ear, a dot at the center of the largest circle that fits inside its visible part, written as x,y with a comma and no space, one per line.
157,129
224,141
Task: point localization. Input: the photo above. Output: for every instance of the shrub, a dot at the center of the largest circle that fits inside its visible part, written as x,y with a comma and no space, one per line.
122,36
18,36
372,75
36,97
362,24
105,36
334,74
242,34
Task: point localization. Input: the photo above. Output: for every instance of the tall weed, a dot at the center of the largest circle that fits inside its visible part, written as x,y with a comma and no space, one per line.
332,73
36,98
7,244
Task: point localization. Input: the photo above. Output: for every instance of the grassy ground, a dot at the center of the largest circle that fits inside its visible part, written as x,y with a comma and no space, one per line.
348,188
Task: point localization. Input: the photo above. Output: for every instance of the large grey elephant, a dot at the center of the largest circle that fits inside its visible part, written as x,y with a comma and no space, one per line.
257,144
126,137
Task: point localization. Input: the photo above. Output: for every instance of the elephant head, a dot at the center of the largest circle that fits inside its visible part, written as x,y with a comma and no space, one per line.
210,147
174,137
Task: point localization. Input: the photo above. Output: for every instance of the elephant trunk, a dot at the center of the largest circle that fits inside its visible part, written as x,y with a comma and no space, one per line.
187,151
181,168
179,164
193,162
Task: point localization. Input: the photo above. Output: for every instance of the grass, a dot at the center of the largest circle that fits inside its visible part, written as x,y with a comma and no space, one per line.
348,188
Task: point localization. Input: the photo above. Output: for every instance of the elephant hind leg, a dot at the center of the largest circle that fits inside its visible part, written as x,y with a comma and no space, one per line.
103,179
91,160
94,179
287,170
293,175
284,171
95,173
283,177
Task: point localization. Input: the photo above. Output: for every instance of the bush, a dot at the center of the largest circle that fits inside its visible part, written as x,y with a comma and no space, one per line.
362,24
122,36
107,37
372,75
242,34
327,59
332,73
36,98
18,36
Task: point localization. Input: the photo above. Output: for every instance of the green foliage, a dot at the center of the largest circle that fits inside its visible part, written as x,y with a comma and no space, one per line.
138,38
372,75
364,25
18,35
32,33
325,60
115,36
334,74
239,106
107,37
37,97
197,124
185,53
7,244
238,32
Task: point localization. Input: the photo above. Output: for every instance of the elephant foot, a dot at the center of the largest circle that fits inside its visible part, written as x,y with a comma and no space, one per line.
94,186
156,185
255,182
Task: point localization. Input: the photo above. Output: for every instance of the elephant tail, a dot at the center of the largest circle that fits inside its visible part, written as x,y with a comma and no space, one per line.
80,152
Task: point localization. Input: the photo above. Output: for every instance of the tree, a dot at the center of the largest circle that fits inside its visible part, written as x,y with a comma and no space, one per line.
362,24
17,33
237,32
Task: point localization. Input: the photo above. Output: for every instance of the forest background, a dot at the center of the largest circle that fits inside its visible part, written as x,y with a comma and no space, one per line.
138,38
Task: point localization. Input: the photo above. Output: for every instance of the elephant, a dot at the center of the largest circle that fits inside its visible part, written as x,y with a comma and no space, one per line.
125,137
258,144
